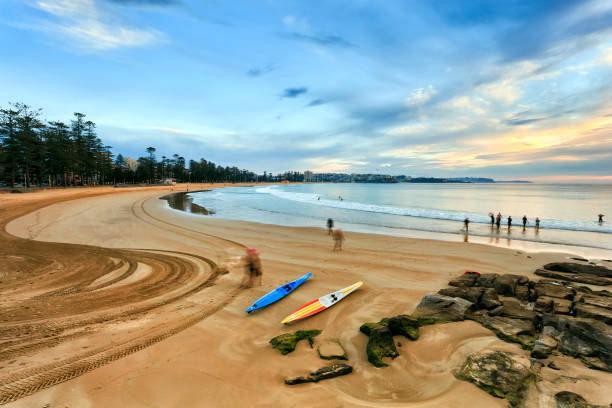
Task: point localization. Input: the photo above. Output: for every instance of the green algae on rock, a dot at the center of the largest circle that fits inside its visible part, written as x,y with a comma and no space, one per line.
285,343
501,374
332,350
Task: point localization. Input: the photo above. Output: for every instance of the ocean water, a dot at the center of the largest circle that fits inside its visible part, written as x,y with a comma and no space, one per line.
568,213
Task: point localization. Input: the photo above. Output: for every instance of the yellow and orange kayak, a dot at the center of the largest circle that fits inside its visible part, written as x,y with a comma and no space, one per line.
322,303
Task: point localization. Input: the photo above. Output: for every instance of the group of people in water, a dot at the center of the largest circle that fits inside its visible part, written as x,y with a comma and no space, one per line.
497,219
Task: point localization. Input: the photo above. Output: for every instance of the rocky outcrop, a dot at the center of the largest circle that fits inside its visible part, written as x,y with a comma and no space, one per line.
545,304
443,308
518,331
403,325
285,343
506,284
580,278
324,373
567,399
483,298
594,312
380,343
587,339
466,280
543,346
501,374
515,310
546,287
580,269
331,350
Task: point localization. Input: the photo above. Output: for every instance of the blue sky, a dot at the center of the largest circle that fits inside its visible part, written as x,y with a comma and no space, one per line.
514,89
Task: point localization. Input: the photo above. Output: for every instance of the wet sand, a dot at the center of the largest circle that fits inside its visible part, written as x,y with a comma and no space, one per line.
111,299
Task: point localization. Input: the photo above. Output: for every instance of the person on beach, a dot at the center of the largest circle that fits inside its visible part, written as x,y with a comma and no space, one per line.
492,218
537,224
509,221
338,237
466,222
498,220
330,226
524,221
600,218
252,269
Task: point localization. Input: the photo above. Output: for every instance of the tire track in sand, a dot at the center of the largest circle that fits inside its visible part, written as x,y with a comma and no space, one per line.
174,269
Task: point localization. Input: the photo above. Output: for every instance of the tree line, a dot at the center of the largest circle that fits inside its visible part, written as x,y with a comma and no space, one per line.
35,152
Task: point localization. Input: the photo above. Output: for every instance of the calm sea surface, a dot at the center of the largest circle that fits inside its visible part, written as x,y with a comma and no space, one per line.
568,213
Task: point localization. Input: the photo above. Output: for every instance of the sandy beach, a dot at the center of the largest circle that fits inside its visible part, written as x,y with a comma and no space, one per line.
110,299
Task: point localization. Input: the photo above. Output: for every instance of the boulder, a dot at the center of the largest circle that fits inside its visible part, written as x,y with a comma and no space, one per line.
487,280
515,310
522,292
581,278
513,330
466,280
545,304
501,374
404,325
600,301
324,373
443,308
594,312
489,299
543,346
572,267
331,350
472,294
285,343
587,339
567,399
380,344
550,331
506,284
556,289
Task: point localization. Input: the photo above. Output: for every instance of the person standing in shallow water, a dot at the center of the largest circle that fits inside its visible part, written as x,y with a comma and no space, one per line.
537,224
498,220
330,226
492,218
524,221
466,222
509,221
601,218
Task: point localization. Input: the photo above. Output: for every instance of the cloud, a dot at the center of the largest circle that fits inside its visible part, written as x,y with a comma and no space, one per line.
293,92
93,28
298,29
421,96
316,102
318,39
169,130
145,2
259,71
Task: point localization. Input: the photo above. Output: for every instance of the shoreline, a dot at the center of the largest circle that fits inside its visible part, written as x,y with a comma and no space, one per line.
498,240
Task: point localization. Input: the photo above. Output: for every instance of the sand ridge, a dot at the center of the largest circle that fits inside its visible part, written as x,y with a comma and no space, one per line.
212,353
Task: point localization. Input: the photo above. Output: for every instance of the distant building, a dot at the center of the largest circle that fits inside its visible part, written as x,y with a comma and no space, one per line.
308,176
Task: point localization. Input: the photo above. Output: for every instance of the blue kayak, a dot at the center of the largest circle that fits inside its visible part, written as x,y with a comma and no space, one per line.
278,293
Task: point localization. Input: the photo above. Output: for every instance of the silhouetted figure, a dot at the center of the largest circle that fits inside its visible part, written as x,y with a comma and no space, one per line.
524,221
537,224
600,218
498,220
466,222
509,221
330,226
492,218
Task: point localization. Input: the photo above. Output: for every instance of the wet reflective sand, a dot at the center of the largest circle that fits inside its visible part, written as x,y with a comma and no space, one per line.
182,201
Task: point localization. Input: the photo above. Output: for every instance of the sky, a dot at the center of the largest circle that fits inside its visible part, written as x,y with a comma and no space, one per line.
503,89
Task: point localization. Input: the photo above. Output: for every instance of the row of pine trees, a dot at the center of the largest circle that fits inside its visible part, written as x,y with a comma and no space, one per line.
35,152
